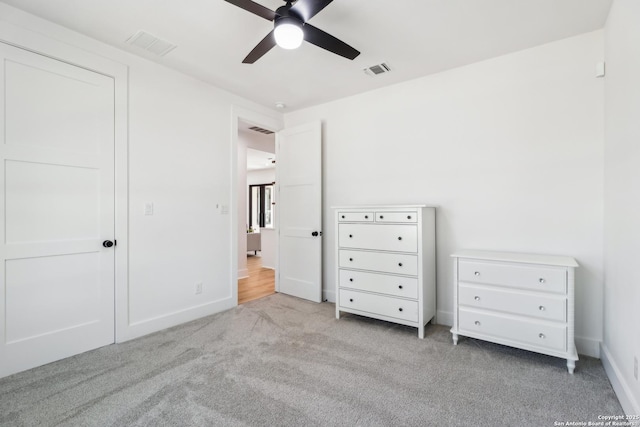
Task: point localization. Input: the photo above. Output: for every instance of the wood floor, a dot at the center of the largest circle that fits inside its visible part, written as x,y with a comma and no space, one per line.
260,283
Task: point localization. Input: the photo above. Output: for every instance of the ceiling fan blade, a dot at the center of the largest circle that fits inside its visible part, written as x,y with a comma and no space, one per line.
307,9
326,41
261,48
254,8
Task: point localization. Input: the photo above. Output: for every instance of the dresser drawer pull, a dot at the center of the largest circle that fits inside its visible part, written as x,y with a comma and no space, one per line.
366,217
541,280
477,323
542,336
541,308
350,299
351,279
399,237
477,273
477,298
350,236
408,216
350,259
342,216
399,286
400,309
399,264
381,216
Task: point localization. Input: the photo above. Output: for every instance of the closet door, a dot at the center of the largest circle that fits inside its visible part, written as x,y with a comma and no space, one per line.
57,160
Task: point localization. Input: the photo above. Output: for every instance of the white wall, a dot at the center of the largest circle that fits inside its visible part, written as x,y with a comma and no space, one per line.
622,201
261,176
509,150
181,158
269,248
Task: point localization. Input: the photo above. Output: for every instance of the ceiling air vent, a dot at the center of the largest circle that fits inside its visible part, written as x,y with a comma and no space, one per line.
374,70
151,43
261,130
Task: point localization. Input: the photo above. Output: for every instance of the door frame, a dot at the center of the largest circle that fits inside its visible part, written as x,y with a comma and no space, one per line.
271,122
40,43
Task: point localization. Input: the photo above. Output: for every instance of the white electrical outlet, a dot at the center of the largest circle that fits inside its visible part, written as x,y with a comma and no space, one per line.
198,288
635,367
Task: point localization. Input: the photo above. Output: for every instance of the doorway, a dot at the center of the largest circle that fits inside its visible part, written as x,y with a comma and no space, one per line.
257,208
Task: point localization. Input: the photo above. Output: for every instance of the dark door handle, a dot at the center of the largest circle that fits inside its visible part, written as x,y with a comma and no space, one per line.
107,243
318,233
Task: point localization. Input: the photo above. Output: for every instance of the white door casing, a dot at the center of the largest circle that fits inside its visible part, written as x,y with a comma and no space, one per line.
57,160
299,204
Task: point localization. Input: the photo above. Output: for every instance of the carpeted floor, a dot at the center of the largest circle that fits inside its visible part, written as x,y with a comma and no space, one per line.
280,361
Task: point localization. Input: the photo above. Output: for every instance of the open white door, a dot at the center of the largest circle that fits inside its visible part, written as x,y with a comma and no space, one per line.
299,209
57,208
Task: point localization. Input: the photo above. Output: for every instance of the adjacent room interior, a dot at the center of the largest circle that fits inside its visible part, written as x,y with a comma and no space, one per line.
256,200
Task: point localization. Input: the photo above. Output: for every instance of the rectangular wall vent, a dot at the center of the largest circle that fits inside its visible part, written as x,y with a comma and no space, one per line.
261,130
151,43
374,70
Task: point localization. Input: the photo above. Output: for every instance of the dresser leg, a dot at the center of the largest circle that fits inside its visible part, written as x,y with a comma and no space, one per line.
421,332
455,339
571,365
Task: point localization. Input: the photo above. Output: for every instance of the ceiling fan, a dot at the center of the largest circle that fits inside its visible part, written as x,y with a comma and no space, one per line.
291,26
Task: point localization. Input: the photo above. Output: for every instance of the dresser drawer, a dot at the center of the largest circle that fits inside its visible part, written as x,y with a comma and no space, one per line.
542,335
538,334
379,261
378,304
524,276
408,216
385,237
382,283
355,216
548,307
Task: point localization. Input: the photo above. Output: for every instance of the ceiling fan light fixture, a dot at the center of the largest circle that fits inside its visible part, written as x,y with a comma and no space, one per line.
288,32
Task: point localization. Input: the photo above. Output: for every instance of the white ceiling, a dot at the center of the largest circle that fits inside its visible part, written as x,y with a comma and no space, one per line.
258,160
415,37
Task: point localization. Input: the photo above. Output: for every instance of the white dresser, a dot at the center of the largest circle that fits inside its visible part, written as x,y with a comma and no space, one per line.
520,300
385,260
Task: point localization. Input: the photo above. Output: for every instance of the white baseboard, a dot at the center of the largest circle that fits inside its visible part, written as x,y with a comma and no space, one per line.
329,295
630,405
588,347
243,273
444,318
148,326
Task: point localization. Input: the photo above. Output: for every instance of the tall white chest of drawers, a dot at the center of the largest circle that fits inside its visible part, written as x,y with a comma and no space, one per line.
385,260
520,300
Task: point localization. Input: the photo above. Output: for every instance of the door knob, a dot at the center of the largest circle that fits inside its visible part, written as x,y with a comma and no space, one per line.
318,233
107,243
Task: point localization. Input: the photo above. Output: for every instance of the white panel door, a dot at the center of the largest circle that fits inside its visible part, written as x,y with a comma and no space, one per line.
299,203
57,177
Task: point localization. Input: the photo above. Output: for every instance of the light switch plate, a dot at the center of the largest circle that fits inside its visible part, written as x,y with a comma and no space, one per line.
148,208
